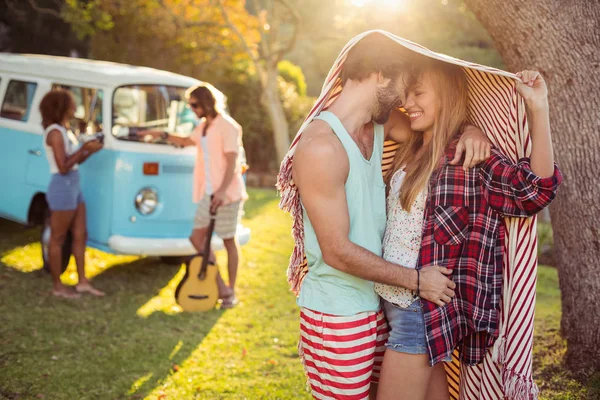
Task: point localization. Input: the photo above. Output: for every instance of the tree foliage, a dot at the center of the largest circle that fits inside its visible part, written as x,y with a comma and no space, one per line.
293,74
40,26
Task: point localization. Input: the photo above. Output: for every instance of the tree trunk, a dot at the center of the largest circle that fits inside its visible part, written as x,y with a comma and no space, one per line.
271,102
562,39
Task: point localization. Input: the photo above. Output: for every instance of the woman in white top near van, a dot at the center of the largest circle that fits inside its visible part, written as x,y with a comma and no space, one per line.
65,201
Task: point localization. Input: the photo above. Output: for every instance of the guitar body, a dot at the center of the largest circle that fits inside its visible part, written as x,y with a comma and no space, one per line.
194,293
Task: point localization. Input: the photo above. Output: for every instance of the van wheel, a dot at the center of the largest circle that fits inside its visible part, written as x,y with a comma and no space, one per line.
174,260
45,241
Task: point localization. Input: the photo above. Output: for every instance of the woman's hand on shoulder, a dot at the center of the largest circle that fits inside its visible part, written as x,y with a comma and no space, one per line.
533,89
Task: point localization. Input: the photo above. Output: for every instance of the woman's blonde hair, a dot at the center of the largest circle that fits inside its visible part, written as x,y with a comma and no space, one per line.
451,91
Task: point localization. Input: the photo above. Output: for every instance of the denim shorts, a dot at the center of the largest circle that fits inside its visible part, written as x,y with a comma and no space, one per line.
64,192
407,329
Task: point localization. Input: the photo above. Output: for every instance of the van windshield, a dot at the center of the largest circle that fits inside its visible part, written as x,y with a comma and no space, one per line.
150,107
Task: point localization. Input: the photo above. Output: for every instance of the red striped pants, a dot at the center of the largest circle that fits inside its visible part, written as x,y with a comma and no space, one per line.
342,355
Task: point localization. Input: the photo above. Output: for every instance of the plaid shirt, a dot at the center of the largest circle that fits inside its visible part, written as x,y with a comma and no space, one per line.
464,231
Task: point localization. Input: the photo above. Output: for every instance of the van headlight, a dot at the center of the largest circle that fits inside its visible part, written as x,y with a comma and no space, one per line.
146,201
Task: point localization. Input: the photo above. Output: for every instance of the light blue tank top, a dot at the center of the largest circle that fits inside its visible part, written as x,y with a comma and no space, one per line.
326,289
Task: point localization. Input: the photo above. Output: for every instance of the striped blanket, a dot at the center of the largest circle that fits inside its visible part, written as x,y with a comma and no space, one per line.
499,111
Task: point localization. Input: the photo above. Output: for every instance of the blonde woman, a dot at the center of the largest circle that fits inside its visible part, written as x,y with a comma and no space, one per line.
441,214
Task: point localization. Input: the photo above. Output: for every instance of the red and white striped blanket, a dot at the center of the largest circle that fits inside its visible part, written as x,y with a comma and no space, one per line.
499,111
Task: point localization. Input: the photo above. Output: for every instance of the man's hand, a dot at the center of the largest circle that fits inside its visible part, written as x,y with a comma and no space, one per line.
475,146
148,135
218,198
148,132
435,286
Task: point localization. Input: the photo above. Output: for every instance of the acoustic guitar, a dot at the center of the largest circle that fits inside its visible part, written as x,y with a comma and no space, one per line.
198,290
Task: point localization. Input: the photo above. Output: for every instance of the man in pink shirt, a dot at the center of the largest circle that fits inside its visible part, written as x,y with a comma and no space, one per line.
218,183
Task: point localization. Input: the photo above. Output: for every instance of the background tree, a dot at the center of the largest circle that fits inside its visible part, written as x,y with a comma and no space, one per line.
38,27
278,29
183,36
562,41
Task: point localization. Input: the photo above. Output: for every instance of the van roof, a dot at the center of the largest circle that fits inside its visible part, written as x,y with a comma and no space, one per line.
92,71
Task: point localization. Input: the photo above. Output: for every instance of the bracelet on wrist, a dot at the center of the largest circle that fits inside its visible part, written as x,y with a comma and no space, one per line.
418,292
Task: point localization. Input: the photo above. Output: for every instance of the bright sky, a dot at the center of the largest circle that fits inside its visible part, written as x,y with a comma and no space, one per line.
384,3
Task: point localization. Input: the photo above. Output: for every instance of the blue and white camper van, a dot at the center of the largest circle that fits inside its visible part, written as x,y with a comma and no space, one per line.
138,194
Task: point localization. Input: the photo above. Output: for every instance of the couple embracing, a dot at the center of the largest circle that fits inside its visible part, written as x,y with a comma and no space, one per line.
395,271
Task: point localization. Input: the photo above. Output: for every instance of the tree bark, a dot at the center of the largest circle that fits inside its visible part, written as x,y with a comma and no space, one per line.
271,102
562,40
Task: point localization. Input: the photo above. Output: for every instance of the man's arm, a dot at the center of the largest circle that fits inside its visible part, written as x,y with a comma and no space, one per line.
320,171
475,146
182,141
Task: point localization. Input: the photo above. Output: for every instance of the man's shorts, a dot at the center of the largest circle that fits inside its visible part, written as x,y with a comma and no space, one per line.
227,219
342,355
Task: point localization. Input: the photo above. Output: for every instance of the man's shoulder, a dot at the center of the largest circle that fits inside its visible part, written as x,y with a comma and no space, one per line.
320,155
227,120
318,140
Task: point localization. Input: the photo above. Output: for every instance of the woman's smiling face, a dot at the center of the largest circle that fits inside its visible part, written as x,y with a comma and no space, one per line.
420,104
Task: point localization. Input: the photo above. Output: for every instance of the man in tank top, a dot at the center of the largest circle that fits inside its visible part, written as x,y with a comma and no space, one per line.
337,169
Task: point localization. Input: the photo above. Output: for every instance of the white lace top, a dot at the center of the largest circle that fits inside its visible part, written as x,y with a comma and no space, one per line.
402,239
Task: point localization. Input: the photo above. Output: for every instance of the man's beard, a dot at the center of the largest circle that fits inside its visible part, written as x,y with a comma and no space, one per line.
387,100
383,116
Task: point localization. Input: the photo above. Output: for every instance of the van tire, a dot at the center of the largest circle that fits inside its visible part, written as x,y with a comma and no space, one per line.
45,240
174,260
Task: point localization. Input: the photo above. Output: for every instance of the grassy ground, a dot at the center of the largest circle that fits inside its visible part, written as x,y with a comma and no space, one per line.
136,344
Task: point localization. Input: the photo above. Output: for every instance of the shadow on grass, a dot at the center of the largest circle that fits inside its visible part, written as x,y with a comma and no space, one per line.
94,347
13,235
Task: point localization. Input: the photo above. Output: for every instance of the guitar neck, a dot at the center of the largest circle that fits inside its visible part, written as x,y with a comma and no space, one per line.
206,255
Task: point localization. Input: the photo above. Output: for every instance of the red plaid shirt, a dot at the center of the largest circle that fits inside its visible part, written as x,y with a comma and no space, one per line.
464,231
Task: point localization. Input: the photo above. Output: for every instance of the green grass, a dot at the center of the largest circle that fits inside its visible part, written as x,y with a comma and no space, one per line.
554,381
137,344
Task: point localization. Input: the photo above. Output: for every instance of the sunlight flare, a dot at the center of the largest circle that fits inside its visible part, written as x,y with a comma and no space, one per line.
388,4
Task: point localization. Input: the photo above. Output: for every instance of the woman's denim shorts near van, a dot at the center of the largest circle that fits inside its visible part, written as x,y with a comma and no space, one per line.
64,192
407,329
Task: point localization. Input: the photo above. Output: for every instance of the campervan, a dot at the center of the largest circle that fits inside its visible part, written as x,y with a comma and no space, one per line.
138,192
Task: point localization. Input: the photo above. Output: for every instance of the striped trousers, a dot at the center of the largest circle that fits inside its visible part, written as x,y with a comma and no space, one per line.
342,355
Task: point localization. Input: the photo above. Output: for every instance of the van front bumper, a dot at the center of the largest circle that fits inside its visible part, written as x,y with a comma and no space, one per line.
168,246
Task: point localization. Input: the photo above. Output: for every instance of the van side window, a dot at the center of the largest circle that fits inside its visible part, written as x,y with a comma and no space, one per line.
17,100
88,114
